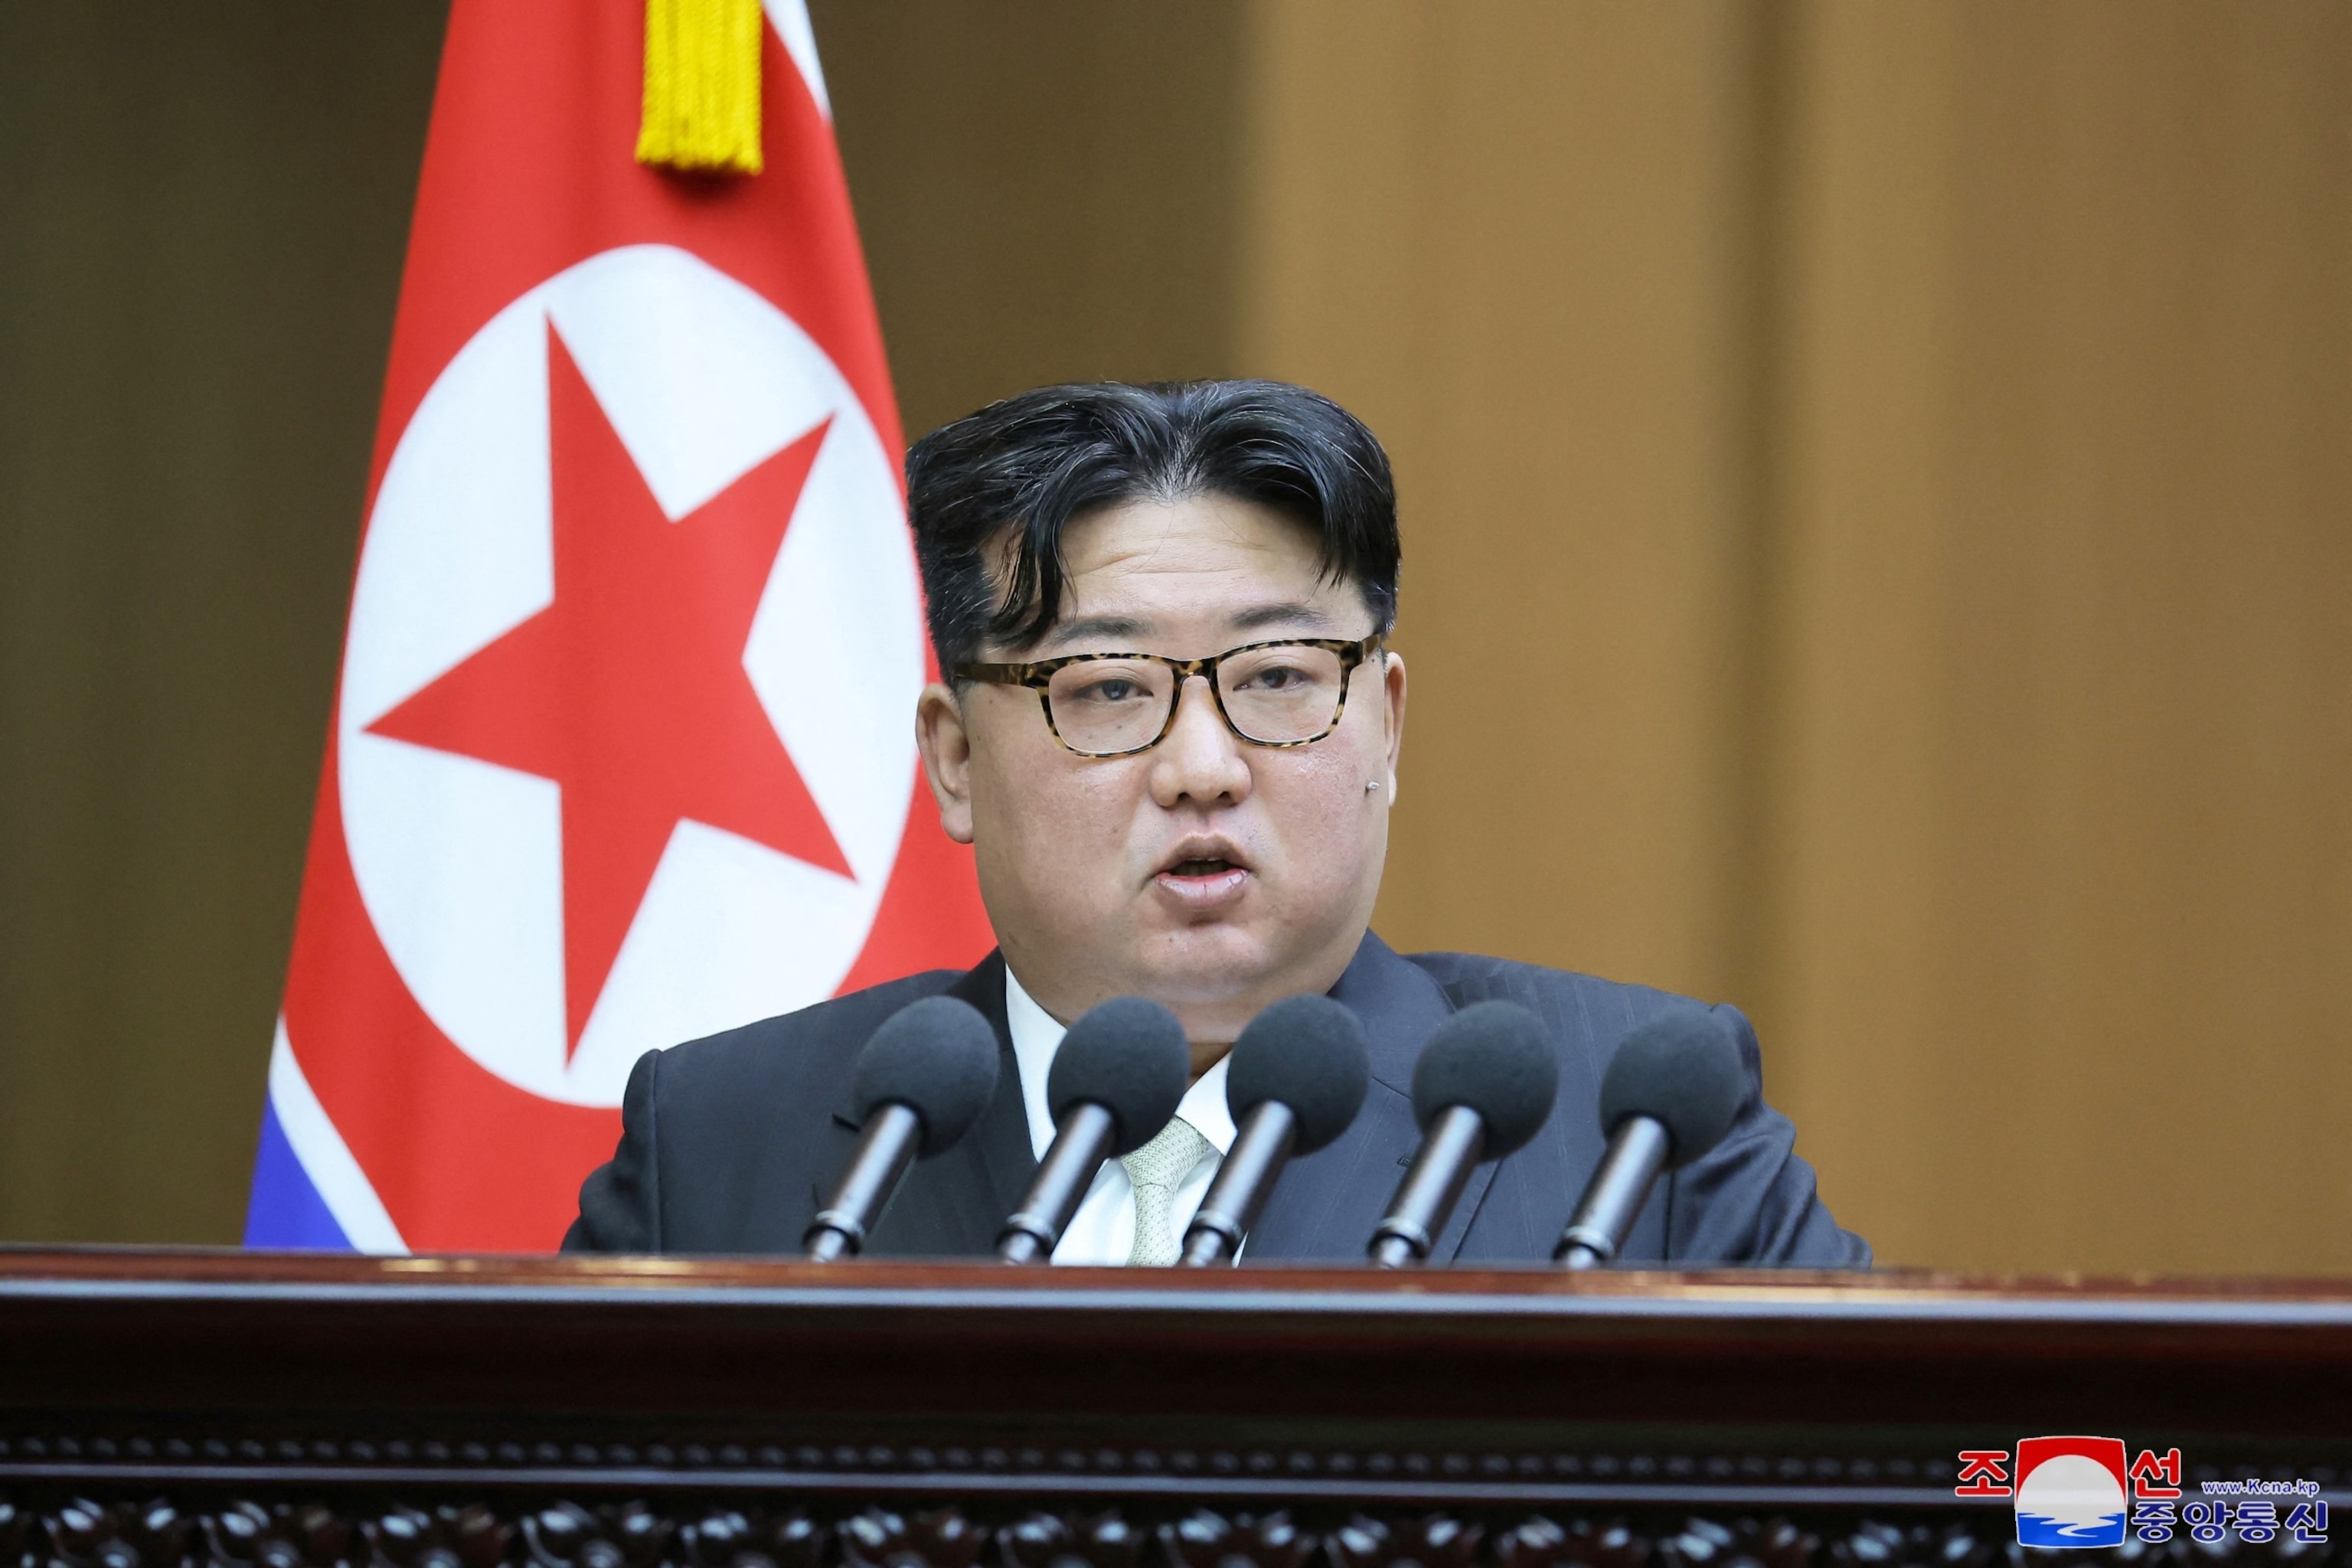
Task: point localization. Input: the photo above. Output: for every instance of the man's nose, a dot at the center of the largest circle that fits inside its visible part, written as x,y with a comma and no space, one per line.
1200,760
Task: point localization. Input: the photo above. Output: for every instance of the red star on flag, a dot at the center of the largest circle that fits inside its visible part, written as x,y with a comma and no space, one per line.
629,690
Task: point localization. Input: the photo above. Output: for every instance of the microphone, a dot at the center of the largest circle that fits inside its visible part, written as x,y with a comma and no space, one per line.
1484,1083
1668,1096
1294,1081
1115,1082
919,1084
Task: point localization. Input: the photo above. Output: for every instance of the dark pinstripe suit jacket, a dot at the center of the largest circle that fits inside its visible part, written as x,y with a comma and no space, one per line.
728,1144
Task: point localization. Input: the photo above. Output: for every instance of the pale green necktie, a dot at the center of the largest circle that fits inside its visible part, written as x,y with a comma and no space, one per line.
1158,1169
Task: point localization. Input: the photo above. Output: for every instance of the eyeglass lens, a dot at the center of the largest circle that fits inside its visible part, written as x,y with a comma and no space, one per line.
1277,695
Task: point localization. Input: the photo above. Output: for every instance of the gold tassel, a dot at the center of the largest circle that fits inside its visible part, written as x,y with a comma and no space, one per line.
702,85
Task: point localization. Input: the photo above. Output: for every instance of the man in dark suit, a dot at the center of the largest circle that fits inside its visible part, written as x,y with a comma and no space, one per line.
1171,734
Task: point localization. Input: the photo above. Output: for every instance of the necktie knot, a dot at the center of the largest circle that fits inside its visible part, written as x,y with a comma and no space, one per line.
1157,1170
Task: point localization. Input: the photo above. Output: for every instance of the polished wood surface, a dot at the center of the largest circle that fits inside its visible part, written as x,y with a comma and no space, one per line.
1281,1381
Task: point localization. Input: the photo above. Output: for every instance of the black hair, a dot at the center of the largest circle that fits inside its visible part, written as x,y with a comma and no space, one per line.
1022,469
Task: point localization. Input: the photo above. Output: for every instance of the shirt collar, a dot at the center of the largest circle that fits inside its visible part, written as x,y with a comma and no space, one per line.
1037,1035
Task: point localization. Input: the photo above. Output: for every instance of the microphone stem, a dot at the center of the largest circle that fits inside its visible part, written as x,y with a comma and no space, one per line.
1239,1190
1080,1146
1432,1184
884,1151
1636,1154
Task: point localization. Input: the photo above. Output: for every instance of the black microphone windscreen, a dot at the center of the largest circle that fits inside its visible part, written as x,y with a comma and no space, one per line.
938,1058
1308,1053
1493,1058
1129,1055
1681,1070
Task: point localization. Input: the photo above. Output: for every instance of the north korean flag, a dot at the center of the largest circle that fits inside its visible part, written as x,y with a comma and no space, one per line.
623,752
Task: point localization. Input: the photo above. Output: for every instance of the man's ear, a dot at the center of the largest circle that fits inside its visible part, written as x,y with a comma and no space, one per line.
946,745
1392,712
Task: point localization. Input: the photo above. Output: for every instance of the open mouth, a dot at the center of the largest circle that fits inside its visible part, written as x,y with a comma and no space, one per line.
1203,875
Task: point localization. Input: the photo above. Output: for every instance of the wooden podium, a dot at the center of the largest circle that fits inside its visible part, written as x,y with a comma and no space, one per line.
230,1410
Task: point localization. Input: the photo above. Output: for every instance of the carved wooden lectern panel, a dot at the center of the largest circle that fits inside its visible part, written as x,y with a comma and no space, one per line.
177,1410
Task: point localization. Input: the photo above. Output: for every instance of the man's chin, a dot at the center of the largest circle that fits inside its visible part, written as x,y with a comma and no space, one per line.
1208,961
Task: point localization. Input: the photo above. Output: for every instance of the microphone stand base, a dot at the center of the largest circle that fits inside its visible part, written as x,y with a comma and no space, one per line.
1204,1250
1020,1246
828,1244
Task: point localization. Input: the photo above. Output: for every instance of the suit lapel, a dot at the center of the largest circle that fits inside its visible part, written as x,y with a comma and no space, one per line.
1327,1202
952,1206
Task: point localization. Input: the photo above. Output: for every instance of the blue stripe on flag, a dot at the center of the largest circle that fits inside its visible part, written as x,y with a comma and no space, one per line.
286,1210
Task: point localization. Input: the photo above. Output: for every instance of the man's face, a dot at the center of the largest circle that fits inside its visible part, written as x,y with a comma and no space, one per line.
1207,873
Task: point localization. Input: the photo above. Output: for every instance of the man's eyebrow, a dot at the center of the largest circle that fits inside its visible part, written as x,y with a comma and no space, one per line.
1086,628
1104,627
1294,612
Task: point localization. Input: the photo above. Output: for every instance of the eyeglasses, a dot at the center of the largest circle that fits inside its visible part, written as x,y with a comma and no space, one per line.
1287,693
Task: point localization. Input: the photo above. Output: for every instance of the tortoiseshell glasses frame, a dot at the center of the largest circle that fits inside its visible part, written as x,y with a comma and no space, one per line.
1038,676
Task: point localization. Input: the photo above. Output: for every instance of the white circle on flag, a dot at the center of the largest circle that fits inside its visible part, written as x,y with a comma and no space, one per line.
461,861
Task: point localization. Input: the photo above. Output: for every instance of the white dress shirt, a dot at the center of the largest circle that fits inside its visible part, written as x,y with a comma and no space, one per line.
1103,1230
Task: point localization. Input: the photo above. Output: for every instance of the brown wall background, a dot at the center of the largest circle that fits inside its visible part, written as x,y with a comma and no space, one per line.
202,212
1877,497
1875,479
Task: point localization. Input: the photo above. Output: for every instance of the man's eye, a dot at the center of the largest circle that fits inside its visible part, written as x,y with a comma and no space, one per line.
1115,690
1275,678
